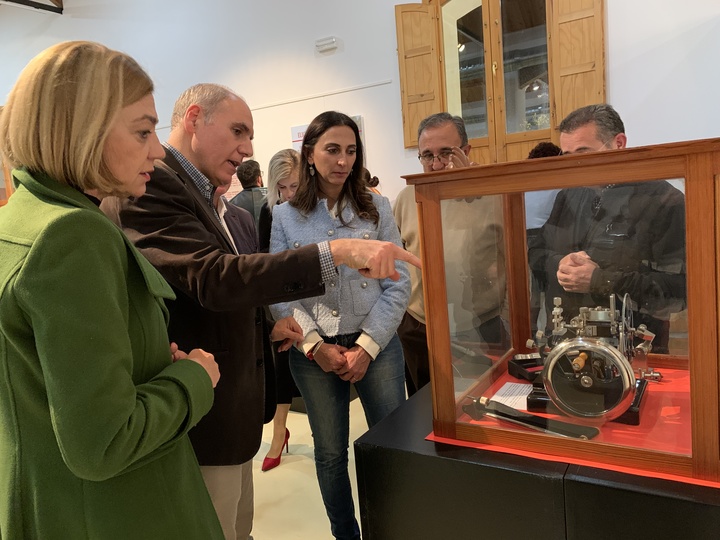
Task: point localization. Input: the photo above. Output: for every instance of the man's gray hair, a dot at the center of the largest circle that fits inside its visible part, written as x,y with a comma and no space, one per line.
606,119
442,118
207,95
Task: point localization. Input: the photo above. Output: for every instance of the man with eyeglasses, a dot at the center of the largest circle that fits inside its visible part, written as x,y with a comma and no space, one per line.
623,238
475,262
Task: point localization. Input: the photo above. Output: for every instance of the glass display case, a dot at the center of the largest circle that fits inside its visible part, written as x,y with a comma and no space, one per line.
594,337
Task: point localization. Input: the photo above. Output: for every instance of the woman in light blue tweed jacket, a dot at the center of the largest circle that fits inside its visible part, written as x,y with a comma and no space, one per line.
350,330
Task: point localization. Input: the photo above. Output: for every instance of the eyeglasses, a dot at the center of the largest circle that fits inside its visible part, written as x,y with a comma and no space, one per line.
588,150
443,157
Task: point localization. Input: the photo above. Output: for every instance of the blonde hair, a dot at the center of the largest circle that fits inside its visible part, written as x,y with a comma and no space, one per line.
282,164
207,95
61,109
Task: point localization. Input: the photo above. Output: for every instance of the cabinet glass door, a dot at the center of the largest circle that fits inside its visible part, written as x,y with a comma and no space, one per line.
464,49
525,65
496,73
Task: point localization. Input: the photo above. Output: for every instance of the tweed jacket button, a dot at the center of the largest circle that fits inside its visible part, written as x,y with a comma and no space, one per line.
366,236
296,244
335,313
364,284
331,232
332,283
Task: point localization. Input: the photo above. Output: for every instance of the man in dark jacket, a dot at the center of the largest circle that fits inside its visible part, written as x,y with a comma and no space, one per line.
252,197
614,238
176,225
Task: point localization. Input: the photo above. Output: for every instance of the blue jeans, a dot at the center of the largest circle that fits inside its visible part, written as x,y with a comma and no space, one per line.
327,401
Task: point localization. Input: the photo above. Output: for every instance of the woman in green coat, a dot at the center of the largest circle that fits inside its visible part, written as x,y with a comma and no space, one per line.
95,403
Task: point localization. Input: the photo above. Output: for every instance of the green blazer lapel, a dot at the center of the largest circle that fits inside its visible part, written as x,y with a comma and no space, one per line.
156,284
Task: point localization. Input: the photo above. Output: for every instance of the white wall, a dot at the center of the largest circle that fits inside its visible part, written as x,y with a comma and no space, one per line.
262,49
661,58
663,70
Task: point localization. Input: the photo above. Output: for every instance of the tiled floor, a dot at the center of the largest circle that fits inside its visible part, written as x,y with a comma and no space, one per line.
287,499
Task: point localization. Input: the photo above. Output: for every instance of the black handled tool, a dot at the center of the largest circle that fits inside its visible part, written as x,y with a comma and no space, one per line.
486,407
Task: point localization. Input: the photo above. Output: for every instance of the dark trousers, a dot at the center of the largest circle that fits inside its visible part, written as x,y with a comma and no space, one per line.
413,336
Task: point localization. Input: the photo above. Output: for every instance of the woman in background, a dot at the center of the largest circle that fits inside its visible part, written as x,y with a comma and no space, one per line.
350,330
95,404
283,181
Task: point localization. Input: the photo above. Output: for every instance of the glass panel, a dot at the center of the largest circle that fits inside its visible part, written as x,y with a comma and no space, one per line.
610,261
525,65
476,286
464,51
538,205
621,239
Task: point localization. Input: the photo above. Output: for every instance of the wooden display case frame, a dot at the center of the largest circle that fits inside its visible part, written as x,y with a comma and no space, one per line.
698,163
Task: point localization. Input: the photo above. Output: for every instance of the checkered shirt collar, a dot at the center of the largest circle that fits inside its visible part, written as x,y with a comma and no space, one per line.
199,179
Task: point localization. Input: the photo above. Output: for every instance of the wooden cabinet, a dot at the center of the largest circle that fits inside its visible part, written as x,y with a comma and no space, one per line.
679,433
421,75
513,69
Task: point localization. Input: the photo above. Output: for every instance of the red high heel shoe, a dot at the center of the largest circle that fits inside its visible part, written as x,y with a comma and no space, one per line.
272,462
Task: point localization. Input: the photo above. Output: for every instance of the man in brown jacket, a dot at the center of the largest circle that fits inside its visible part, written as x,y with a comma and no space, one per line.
176,225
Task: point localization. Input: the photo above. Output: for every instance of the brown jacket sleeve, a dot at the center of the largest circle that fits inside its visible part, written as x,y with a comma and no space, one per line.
175,228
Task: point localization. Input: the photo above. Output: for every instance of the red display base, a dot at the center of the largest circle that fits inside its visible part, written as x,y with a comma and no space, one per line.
664,427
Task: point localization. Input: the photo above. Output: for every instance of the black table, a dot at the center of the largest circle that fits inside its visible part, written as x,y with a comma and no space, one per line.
411,488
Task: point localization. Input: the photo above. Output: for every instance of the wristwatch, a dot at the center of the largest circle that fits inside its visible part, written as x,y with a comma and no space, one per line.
313,351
